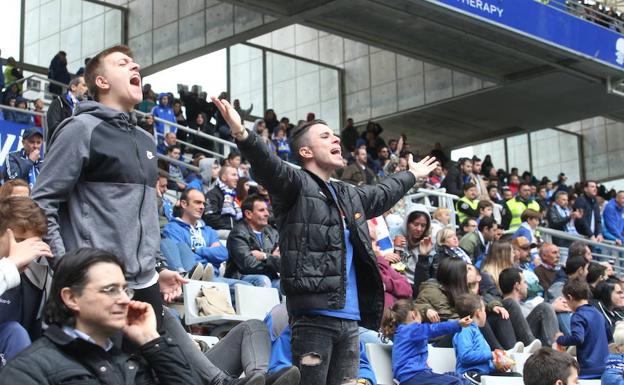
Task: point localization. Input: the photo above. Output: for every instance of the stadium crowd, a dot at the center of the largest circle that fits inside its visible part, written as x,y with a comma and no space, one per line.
488,288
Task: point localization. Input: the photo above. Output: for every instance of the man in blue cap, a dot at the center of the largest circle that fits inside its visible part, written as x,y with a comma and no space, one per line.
26,163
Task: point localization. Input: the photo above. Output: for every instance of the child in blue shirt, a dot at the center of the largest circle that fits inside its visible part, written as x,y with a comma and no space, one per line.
588,330
402,323
474,356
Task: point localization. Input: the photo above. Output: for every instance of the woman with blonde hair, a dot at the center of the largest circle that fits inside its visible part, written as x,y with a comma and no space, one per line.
498,258
441,218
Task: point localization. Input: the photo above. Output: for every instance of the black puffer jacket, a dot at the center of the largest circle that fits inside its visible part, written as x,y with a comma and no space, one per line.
312,245
57,358
241,241
214,206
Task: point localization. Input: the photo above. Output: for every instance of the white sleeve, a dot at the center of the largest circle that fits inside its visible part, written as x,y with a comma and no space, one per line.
9,275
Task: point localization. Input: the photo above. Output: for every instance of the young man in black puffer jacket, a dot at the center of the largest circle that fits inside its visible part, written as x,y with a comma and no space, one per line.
328,268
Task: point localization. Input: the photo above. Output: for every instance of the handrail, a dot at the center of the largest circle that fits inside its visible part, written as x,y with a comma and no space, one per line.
187,144
178,162
29,112
438,193
38,77
570,237
592,15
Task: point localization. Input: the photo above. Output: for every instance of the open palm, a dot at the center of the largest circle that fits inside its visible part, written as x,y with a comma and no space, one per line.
422,168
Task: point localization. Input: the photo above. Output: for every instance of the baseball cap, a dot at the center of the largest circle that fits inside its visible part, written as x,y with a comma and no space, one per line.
29,132
522,243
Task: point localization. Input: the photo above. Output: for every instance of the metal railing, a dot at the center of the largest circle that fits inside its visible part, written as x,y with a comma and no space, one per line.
32,77
588,13
445,200
28,112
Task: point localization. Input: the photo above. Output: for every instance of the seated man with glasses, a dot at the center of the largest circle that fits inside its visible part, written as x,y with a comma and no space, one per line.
89,303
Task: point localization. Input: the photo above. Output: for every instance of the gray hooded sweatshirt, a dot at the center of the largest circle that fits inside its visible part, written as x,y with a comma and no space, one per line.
97,189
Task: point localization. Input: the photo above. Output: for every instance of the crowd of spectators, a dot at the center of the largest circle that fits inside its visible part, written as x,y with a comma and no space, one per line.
491,284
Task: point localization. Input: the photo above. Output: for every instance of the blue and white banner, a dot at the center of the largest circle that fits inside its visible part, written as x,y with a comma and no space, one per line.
551,24
10,138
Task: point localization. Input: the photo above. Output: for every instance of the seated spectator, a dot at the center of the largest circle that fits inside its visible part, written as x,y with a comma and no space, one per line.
26,163
176,175
38,103
467,226
474,356
253,247
522,260
613,216
165,207
596,273
403,324
359,173
590,331
542,198
21,226
467,204
561,217
416,246
164,111
513,208
188,229
383,160
580,248
494,195
530,220
590,224
550,367
281,143
609,300
20,117
147,123
614,373
575,268
169,140
529,321
222,212
15,188
498,258
485,209
447,246
242,190
549,266
441,218
89,303
476,243
63,106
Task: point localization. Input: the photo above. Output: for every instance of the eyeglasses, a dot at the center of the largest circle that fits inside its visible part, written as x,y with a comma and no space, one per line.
114,292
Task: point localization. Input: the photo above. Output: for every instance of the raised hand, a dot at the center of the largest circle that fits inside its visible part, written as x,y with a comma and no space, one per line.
22,253
232,117
141,323
425,246
422,168
465,322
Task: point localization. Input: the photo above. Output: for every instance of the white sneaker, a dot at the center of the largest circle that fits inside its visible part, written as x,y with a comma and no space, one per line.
197,272
208,274
518,348
533,346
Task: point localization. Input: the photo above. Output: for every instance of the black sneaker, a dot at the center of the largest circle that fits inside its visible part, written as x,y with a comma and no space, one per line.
473,377
254,379
286,376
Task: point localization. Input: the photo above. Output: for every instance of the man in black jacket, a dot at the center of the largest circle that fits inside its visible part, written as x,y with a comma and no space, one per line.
328,268
561,217
457,176
63,106
590,224
252,245
90,302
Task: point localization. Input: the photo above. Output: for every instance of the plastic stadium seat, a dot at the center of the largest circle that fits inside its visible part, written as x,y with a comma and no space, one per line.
380,358
441,360
520,359
209,340
255,302
496,380
191,313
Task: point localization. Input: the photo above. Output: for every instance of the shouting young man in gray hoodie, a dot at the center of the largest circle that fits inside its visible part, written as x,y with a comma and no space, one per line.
98,189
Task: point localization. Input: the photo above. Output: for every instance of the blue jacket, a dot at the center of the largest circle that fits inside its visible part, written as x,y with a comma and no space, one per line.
410,350
591,334
164,112
613,221
614,374
19,166
199,238
472,351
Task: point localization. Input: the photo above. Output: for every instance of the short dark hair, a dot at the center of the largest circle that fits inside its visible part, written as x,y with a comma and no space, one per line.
250,201
93,68
486,223
587,182
467,304
577,248
298,136
173,147
547,366
72,271
523,184
508,278
595,272
575,262
577,289
185,194
469,185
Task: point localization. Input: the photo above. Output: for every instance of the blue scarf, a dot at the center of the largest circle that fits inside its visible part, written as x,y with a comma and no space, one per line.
229,202
34,170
